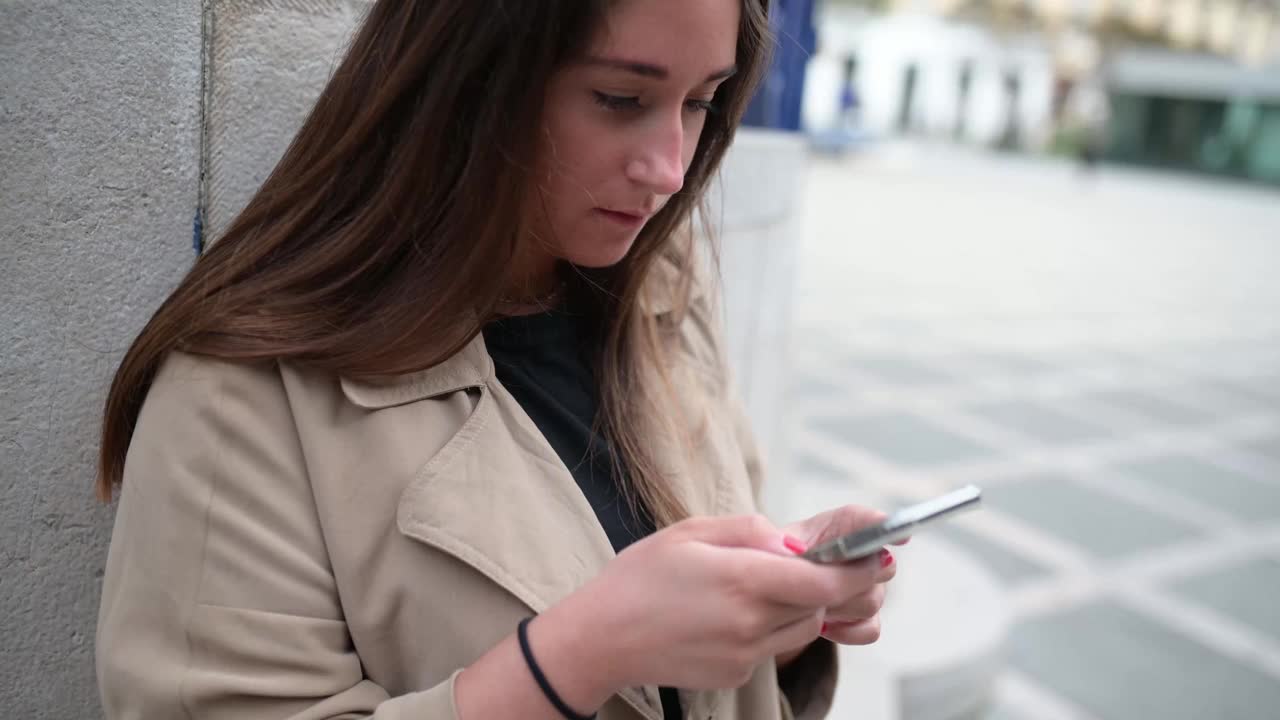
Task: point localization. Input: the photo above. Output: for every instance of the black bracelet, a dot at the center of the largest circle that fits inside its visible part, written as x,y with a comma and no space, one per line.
522,632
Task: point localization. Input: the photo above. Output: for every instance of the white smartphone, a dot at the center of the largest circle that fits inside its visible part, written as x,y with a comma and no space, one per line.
897,526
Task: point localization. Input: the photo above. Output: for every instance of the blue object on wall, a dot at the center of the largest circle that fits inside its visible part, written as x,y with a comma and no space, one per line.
197,233
777,102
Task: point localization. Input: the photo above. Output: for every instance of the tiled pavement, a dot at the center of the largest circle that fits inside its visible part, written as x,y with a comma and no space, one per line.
1103,356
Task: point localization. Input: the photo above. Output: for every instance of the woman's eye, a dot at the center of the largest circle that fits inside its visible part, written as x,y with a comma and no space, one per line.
616,102
621,103
702,106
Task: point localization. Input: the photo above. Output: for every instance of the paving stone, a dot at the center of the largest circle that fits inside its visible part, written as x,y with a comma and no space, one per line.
1267,447
1234,398
1013,365
1103,525
903,438
1216,486
1118,421
901,325
1120,665
1159,409
1004,562
804,389
1266,386
1002,711
812,467
1246,592
1039,422
899,370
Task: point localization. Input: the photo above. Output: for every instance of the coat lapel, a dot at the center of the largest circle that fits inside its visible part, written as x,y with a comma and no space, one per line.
497,496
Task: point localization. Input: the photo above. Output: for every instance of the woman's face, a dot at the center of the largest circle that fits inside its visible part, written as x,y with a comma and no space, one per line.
621,125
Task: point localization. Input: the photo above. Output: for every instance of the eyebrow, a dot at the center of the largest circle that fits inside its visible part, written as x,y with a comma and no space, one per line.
650,70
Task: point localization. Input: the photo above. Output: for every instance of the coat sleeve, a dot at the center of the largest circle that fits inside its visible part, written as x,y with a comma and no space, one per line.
808,684
218,598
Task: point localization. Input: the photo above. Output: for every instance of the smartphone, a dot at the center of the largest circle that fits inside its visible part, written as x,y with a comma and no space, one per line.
897,526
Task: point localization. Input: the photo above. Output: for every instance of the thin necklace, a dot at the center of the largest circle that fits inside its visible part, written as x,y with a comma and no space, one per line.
545,301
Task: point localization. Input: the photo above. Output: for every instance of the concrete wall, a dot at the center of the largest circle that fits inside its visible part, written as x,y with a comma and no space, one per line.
99,120
269,62
757,206
100,147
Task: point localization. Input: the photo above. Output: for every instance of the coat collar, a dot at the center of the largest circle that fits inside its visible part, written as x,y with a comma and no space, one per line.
473,367
470,367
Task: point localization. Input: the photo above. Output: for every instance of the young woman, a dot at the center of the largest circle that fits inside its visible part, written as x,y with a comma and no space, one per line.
451,369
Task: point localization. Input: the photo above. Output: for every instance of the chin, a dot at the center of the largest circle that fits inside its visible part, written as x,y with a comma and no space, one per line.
603,255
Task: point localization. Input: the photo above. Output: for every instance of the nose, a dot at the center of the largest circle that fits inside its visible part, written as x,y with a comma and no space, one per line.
658,163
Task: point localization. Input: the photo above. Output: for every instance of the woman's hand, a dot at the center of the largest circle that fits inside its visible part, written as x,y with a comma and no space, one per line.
701,604
855,618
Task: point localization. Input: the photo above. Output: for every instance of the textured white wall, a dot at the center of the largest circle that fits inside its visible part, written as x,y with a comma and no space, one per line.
99,122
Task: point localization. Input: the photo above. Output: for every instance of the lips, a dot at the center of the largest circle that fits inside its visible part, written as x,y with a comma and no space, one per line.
636,214
627,218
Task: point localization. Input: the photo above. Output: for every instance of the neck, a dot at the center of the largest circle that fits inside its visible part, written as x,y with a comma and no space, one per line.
535,284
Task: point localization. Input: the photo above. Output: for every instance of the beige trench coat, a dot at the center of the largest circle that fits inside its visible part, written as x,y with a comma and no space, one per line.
295,545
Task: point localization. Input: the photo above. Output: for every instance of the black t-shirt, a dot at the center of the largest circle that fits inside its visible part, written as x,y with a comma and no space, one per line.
544,361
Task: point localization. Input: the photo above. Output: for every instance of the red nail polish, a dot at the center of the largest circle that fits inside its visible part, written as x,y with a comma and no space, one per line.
886,558
824,628
794,545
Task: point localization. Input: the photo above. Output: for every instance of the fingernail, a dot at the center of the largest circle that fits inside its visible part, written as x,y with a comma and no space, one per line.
886,558
824,629
794,545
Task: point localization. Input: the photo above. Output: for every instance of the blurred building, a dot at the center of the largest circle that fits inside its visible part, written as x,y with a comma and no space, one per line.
920,73
1195,112
1180,84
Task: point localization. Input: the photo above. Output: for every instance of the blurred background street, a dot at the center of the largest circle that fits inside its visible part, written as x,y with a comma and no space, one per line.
1038,249
1100,352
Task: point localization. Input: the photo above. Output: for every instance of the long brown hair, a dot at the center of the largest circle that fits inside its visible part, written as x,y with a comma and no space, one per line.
406,186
